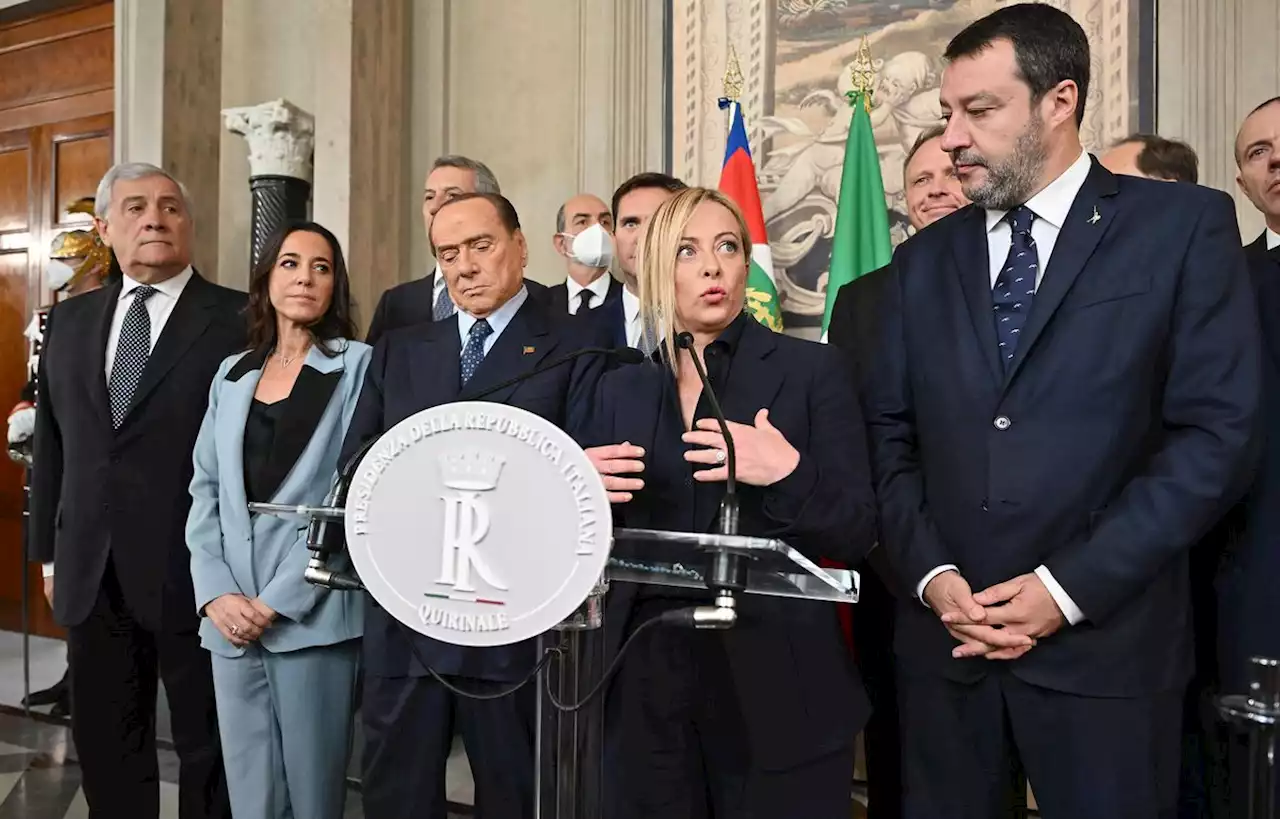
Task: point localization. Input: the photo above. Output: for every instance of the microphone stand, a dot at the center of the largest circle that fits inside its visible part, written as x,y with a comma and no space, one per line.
728,574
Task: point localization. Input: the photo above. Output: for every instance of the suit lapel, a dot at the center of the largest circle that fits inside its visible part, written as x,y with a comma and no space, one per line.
97,357
1078,238
301,415
186,323
233,416
970,258
1264,268
524,343
752,386
435,364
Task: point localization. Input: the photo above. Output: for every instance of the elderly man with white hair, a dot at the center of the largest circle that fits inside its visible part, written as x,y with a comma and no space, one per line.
123,382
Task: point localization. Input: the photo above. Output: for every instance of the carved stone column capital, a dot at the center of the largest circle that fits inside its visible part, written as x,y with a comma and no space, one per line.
281,138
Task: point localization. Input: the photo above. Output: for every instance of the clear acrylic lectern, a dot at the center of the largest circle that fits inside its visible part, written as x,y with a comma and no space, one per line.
570,754
570,740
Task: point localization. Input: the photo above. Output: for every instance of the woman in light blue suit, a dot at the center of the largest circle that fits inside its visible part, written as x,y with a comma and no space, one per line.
285,652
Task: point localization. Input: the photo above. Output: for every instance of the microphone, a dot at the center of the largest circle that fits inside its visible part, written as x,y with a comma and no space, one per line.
623,355
726,569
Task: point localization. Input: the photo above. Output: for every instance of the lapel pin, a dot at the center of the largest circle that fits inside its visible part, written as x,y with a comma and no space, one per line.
1093,220
528,351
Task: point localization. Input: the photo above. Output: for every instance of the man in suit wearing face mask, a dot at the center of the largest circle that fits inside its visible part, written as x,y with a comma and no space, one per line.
584,236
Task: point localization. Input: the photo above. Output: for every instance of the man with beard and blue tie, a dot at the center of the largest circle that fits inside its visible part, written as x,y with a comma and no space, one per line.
1066,399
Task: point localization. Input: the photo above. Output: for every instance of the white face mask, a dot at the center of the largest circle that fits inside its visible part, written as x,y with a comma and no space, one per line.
59,273
592,247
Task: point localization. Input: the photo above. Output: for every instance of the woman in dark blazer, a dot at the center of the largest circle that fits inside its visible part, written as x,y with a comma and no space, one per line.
760,720
285,652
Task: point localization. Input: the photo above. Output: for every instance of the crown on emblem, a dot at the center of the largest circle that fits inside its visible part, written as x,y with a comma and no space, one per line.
471,470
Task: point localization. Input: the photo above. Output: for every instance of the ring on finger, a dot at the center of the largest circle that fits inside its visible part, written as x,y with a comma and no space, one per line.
720,456
235,631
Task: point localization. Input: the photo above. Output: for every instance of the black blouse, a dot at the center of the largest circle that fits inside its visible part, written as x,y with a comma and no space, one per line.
260,432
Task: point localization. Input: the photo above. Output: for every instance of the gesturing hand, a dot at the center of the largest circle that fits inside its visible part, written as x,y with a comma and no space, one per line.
613,462
764,455
1022,606
237,618
949,596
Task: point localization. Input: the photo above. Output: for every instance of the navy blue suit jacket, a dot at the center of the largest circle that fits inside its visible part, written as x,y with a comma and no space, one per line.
1248,606
413,302
415,368
794,675
1126,425
610,313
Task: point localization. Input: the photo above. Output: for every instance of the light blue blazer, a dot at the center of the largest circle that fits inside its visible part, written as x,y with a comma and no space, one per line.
262,555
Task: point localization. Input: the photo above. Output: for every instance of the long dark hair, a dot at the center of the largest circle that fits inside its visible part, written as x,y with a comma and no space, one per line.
336,321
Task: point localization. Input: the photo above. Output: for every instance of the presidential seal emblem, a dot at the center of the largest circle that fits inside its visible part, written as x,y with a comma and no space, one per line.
478,524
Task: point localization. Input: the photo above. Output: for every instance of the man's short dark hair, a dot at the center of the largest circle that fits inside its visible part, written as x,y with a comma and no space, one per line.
1048,44
1162,158
506,211
648,179
932,133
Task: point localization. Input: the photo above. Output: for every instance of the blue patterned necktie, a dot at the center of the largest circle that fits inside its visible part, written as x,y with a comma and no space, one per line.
473,353
443,307
132,351
1016,285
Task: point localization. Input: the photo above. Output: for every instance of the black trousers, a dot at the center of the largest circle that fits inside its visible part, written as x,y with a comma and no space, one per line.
676,746
873,645
115,665
408,731
965,746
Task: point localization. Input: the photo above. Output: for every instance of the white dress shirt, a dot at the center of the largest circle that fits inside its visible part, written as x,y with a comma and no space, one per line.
159,308
1050,207
599,289
1273,239
631,315
498,320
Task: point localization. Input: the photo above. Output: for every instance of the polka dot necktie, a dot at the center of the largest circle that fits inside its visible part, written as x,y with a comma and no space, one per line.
584,303
473,353
443,308
132,351
1016,285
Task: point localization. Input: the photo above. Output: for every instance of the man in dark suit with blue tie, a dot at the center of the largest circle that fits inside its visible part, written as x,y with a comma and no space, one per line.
498,332
1066,399
427,299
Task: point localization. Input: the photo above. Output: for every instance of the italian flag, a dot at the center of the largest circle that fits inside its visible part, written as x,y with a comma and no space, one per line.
861,243
738,182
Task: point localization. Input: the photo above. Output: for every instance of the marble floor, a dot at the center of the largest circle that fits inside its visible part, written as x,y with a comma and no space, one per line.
39,776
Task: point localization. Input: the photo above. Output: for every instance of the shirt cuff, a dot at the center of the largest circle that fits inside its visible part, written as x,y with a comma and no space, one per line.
923,584
47,568
1068,606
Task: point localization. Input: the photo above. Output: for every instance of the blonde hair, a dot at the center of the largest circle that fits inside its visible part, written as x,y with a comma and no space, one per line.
656,261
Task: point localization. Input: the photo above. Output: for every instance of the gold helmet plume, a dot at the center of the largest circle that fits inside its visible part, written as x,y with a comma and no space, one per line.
81,244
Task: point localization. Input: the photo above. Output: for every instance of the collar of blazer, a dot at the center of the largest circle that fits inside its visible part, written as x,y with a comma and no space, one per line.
1086,223
435,370
304,408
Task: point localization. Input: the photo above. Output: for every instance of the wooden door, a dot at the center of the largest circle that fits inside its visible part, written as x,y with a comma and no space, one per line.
56,76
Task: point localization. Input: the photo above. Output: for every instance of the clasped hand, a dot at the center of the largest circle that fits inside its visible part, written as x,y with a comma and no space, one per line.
240,619
1002,622
763,455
